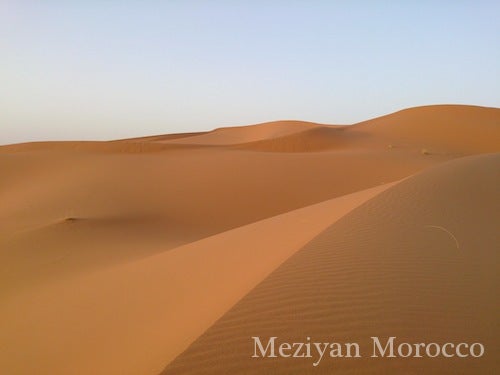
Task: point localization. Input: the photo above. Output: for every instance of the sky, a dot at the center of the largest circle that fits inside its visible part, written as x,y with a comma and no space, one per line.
115,69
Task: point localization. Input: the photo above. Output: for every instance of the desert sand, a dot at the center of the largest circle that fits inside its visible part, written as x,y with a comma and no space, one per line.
166,254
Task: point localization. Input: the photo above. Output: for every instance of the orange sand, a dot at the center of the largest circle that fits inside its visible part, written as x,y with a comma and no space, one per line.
165,254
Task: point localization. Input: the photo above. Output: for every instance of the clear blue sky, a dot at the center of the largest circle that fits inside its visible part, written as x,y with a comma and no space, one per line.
111,69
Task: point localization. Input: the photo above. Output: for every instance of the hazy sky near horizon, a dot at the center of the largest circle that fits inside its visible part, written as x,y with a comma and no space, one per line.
115,69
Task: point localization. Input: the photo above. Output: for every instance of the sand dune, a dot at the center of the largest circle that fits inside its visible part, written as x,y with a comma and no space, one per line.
162,137
70,211
438,128
250,133
382,270
116,257
165,301
116,147
319,138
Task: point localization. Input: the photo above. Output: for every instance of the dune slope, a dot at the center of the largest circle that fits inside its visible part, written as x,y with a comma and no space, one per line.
117,257
146,312
385,269
70,211
438,128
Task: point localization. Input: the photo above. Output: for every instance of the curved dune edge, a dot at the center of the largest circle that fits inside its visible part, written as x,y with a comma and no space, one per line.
462,129
66,213
437,129
381,270
245,134
319,138
135,318
101,310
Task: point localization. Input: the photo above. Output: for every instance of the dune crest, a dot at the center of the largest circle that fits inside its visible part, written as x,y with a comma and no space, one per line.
166,301
167,252
250,133
379,271
440,128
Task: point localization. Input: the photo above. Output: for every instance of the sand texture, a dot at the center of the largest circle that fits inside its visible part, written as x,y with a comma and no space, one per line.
165,254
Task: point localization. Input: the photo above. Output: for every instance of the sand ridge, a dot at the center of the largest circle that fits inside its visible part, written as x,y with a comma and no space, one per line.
167,300
164,253
376,272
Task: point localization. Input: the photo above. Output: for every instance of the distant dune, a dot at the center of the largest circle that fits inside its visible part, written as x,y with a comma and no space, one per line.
166,254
